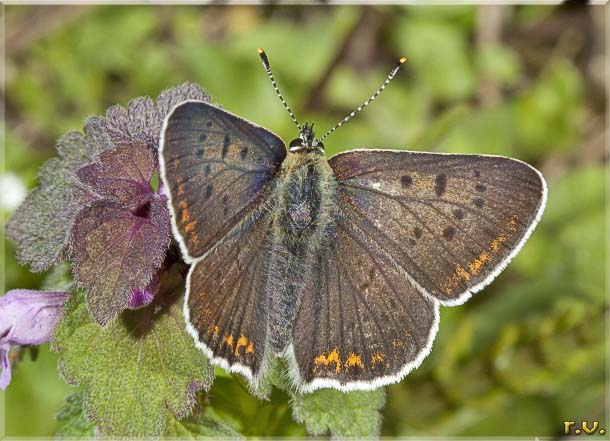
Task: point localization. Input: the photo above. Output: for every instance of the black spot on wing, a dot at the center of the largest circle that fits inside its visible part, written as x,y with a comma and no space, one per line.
243,152
458,214
225,146
208,191
480,188
417,232
199,152
478,202
202,137
406,181
449,233
477,174
440,184
207,170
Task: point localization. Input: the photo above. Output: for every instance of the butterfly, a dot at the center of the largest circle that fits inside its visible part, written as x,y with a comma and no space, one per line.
339,265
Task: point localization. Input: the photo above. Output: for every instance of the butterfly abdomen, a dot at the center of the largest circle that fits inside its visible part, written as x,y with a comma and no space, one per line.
305,203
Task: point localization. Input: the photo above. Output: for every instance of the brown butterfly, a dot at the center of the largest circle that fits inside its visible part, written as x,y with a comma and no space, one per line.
339,265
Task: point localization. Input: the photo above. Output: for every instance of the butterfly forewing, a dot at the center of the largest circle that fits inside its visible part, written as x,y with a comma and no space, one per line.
361,324
451,222
218,168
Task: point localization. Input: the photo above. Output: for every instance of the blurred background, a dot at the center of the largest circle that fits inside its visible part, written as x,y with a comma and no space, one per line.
529,81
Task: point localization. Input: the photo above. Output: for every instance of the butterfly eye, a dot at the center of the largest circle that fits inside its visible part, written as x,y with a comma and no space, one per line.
295,144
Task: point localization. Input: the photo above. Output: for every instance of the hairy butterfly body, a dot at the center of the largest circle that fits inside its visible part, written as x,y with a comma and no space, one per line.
339,265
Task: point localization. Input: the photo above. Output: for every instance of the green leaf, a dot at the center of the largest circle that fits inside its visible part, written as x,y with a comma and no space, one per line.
442,64
244,410
72,419
499,63
578,194
548,116
59,278
587,244
198,426
488,132
137,368
352,414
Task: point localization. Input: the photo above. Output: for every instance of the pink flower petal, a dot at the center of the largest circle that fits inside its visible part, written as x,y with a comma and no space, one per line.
28,317
5,367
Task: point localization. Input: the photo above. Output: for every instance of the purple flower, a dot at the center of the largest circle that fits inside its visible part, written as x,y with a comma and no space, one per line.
26,318
142,297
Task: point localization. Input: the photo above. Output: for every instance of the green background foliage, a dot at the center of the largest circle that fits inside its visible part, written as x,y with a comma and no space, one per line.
525,81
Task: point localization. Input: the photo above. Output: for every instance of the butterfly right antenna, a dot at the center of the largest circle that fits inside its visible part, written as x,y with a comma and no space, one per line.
399,63
267,66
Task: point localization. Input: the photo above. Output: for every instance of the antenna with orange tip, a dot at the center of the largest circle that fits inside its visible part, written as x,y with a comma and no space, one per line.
400,62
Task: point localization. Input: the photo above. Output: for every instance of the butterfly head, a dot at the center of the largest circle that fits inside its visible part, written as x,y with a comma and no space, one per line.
306,142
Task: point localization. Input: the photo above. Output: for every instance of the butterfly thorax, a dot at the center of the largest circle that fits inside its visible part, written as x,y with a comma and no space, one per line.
305,200
302,221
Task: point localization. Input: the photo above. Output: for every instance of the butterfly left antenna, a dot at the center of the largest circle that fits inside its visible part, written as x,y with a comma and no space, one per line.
399,63
267,66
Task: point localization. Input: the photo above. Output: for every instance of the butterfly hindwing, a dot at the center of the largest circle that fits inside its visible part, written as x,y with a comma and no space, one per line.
360,324
217,168
451,222
226,301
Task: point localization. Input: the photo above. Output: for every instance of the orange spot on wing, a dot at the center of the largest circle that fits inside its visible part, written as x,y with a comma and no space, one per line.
190,227
250,348
228,339
512,223
458,275
378,357
397,344
185,211
495,244
476,265
241,341
215,331
354,360
180,185
332,357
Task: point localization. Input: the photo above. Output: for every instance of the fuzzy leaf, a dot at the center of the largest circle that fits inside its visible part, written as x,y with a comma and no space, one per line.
117,251
59,278
72,420
142,120
122,175
352,414
138,367
42,224
122,238
198,427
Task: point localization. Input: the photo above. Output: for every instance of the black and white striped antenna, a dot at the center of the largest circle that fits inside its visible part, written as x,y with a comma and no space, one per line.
267,66
400,62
